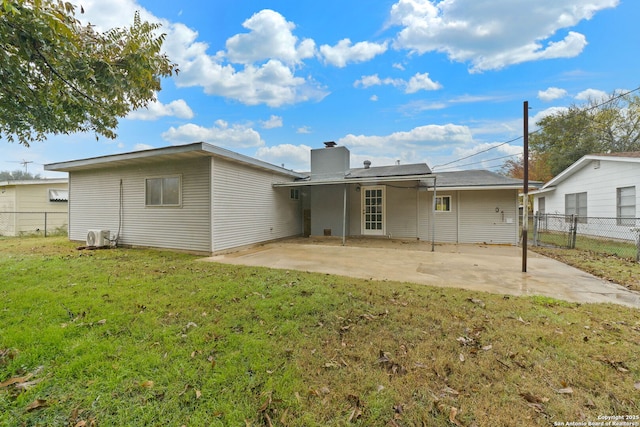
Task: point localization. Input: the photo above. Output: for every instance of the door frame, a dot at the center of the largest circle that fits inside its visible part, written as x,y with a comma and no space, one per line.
383,209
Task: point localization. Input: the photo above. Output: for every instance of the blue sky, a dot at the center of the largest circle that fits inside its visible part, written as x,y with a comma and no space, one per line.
408,80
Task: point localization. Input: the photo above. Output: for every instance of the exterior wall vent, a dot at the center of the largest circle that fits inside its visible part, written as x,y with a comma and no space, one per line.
367,164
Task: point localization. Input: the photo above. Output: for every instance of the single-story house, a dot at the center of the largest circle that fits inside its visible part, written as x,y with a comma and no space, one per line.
203,198
33,206
596,186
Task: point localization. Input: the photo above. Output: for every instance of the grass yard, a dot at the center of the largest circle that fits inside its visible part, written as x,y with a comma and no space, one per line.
129,337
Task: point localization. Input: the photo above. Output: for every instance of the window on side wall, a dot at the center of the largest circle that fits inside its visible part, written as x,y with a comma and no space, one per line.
576,204
443,204
626,206
294,194
164,191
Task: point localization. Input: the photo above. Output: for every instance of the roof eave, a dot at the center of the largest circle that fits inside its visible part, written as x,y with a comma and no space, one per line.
371,180
197,148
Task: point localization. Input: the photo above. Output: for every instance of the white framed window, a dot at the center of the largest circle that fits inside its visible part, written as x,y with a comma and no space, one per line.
576,204
626,205
294,194
163,191
443,203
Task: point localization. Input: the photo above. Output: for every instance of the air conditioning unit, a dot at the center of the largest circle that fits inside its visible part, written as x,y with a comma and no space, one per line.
98,238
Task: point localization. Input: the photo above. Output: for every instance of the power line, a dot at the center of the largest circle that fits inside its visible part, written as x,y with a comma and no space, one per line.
623,94
485,161
479,152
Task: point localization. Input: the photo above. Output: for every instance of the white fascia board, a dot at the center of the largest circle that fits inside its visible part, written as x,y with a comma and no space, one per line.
582,162
477,187
372,180
542,191
198,148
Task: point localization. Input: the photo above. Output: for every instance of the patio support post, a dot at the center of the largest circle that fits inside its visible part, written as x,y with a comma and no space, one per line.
433,217
344,217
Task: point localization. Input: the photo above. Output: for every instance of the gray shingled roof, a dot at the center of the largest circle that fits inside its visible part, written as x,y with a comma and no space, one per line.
389,171
474,178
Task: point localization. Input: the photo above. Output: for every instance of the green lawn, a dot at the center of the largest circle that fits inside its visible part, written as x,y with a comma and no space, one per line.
129,337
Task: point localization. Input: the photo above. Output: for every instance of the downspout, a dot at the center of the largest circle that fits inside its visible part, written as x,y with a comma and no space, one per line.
433,219
344,216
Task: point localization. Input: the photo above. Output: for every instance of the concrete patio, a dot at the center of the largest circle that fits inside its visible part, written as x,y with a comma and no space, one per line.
488,268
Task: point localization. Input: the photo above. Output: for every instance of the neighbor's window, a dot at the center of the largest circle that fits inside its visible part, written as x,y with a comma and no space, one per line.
542,205
576,204
626,205
443,203
56,195
294,194
163,191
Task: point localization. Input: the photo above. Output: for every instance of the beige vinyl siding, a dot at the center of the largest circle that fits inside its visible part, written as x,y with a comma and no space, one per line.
446,223
247,209
484,217
95,201
25,208
401,211
7,209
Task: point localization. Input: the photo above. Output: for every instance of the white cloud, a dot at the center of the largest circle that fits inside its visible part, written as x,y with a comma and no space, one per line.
273,122
493,34
304,130
140,147
294,157
592,95
545,113
551,94
344,52
421,82
375,80
373,98
270,37
157,109
220,134
419,138
268,55
416,83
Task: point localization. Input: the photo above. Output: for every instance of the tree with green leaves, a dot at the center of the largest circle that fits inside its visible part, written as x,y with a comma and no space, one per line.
17,175
58,76
606,126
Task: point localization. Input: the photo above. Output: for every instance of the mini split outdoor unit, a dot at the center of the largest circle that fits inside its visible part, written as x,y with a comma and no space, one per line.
98,238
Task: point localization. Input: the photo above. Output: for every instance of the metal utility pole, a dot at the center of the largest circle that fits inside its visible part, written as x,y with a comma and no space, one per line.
525,204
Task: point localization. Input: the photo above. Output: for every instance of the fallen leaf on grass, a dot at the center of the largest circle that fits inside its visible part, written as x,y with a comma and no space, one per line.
533,399
146,384
36,404
476,301
355,414
450,390
566,390
15,380
198,394
28,384
619,366
637,385
452,416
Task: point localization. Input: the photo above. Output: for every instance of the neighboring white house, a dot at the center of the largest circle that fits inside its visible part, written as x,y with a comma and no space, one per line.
33,206
597,185
203,198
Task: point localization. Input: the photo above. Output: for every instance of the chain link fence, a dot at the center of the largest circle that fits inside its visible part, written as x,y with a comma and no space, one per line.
33,223
609,236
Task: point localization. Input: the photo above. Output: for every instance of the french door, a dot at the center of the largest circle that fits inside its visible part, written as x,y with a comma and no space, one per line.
373,210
